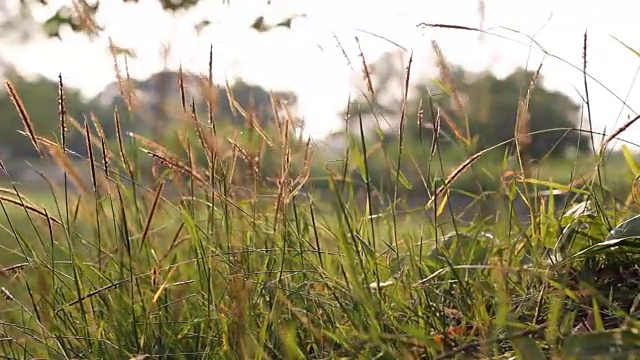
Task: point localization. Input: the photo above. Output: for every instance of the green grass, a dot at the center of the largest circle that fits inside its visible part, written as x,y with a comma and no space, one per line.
212,260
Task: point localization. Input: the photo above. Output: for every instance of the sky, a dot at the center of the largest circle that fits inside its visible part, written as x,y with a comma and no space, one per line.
309,60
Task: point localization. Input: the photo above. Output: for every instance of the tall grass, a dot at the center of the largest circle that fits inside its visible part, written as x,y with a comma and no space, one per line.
201,253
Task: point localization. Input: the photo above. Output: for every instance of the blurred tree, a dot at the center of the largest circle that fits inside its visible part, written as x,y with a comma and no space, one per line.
493,104
490,104
40,98
79,16
160,100
16,22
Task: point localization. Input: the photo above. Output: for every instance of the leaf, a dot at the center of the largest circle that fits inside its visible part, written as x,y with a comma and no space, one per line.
442,205
627,229
631,162
124,51
555,185
464,248
526,348
602,344
259,24
580,209
403,179
358,161
201,26
597,315
607,246
627,46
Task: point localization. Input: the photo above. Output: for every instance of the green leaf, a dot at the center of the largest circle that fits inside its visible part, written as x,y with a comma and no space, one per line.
607,246
631,162
403,179
555,185
627,229
627,46
526,348
604,344
358,161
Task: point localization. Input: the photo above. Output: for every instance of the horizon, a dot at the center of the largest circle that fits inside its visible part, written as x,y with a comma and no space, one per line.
308,60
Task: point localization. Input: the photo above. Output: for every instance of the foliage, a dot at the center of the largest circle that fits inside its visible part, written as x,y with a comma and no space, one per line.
208,242
79,17
496,105
216,259
156,116
159,100
39,96
486,102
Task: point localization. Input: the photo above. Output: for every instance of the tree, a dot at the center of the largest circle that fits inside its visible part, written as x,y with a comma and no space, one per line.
492,103
488,103
40,99
79,16
160,100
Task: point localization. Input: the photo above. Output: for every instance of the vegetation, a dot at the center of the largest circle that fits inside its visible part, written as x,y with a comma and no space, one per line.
212,249
201,225
79,17
468,104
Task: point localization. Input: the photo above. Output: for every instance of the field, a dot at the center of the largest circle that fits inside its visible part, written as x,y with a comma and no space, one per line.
195,257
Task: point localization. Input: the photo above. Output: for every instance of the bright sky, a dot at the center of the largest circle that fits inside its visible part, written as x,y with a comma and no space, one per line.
307,59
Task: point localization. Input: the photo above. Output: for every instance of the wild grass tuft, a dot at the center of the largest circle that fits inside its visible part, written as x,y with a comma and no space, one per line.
202,250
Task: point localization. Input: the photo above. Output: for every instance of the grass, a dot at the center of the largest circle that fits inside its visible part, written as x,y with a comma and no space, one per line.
187,259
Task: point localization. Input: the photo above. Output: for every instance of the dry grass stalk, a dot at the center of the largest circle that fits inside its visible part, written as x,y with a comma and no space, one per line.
435,125
183,137
152,212
252,161
209,143
230,97
167,158
13,269
522,134
274,106
126,90
26,120
247,116
455,173
234,156
617,133
99,142
175,165
92,161
75,124
62,113
283,182
305,172
211,95
3,168
365,69
107,156
452,124
183,99
101,136
29,207
405,97
88,23
447,80
64,163
123,157
15,193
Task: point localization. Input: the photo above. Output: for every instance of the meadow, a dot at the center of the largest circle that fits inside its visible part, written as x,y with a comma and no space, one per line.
196,252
